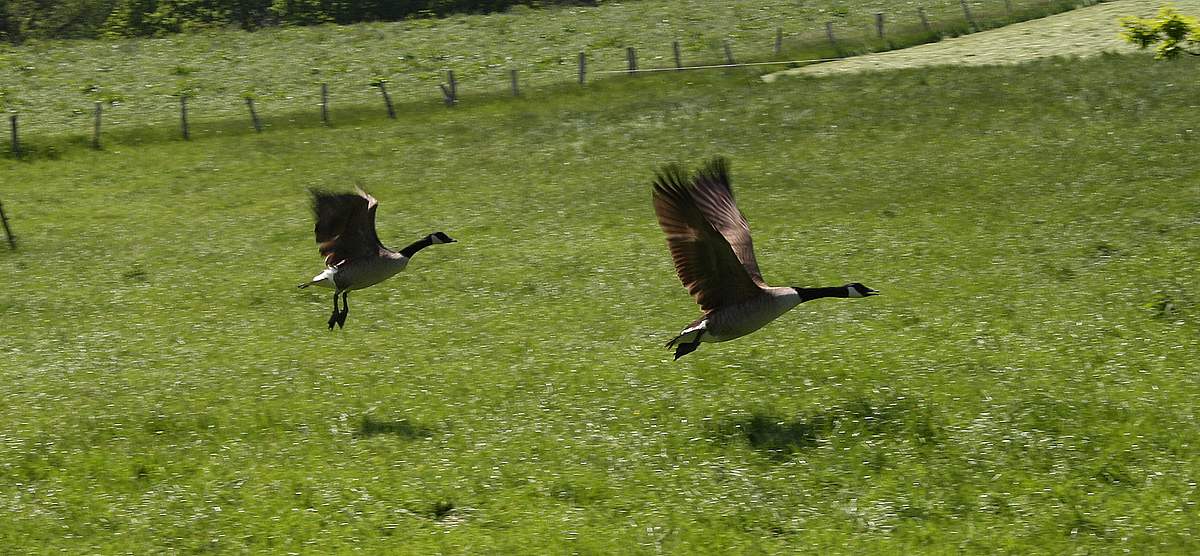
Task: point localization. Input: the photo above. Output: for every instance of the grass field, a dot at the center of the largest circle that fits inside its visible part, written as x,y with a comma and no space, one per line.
1087,31
1026,384
53,85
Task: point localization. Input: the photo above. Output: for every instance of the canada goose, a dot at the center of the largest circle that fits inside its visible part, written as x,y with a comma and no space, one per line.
354,258
714,257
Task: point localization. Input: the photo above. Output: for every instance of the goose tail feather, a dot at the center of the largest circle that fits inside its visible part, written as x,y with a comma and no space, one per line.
684,349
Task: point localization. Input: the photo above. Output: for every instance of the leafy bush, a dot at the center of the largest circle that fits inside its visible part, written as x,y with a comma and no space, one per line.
1174,33
25,19
42,19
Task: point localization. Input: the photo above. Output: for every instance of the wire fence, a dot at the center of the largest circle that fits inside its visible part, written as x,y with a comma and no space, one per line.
186,110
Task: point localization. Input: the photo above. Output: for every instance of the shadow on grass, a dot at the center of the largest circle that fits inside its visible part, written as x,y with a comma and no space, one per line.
780,437
402,428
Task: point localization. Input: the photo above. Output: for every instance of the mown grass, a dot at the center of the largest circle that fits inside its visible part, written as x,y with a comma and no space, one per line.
53,85
1026,384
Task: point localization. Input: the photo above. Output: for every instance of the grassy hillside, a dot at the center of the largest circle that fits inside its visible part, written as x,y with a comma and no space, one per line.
1026,384
53,85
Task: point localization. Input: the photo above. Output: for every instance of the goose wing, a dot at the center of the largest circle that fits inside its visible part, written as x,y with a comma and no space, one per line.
714,197
345,227
695,215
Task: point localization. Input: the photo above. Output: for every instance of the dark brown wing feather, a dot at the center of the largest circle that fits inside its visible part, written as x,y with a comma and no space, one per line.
345,227
714,197
705,259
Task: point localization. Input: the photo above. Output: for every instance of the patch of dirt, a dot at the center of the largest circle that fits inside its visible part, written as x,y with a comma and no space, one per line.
1080,32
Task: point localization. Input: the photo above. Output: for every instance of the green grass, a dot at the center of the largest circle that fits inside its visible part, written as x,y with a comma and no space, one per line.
53,85
1025,385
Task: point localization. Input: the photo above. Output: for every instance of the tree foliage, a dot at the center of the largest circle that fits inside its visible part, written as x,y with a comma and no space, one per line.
42,19
1174,33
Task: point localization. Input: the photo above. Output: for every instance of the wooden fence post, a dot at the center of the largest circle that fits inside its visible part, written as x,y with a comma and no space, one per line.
924,20
12,240
16,142
832,41
183,121
967,13
879,24
325,103
631,57
582,68
96,126
253,115
450,89
387,99
728,53
778,40
516,91
678,55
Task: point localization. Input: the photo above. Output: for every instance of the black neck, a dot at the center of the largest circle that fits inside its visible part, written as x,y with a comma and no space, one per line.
809,294
415,246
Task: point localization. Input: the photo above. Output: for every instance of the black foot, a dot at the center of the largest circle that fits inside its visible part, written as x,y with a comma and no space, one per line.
333,319
684,349
341,318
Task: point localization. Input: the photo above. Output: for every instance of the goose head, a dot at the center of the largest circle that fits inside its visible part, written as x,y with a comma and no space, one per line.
858,290
439,237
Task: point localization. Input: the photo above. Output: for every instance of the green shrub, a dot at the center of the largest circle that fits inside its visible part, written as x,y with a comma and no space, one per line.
1174,33
25,19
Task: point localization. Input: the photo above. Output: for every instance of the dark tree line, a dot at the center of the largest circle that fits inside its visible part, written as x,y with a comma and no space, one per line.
44,19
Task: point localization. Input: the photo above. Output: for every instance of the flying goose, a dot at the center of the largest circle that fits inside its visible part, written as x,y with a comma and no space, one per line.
714,258
354,257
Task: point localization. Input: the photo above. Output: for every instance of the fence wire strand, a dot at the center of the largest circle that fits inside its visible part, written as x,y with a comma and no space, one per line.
716,66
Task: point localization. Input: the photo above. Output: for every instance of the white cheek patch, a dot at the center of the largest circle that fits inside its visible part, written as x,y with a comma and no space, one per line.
853,291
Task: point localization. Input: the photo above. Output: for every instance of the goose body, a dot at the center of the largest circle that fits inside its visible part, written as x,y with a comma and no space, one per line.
710,244
738,320
354,257
356,277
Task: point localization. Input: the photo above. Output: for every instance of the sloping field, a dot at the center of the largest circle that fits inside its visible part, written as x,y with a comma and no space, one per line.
1082,32
53,85
1026,384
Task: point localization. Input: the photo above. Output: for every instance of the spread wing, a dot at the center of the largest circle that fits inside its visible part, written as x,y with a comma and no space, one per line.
705,231
714,196
345,227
